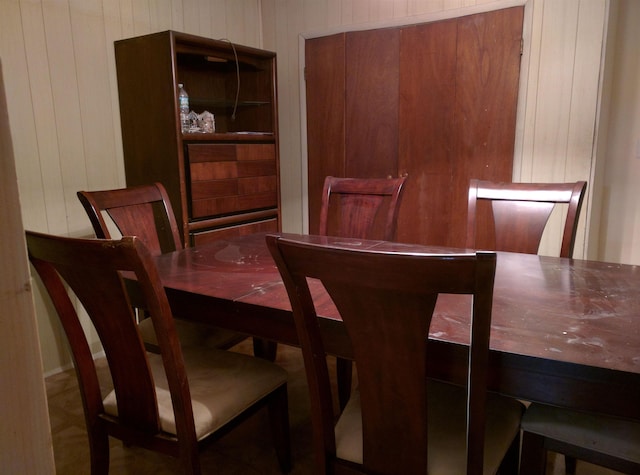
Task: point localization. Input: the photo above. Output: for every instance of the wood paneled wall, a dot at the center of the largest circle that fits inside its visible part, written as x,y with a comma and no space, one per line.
618,230
558,98
63,107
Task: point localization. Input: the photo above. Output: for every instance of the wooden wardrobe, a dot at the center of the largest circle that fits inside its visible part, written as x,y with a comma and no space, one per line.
435,101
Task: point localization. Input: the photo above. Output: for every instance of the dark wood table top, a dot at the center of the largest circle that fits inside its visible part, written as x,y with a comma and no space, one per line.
564,331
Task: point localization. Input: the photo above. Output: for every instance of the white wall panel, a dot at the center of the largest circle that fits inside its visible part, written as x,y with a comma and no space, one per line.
218,17
62,100
33,129
619,231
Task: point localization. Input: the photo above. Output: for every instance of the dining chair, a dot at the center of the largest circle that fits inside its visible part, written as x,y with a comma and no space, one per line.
398,421
598,439
172,402
362,208
145,211
518,214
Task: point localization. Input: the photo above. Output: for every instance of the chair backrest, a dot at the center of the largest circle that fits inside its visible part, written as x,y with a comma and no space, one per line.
386,301
92,269
363,208
518,214
144,211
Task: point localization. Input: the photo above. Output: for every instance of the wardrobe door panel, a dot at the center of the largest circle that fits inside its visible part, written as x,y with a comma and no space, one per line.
426,118
325,88
436,101
488,59
372,79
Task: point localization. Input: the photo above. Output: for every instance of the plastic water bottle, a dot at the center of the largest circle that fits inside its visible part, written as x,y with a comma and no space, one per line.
183,100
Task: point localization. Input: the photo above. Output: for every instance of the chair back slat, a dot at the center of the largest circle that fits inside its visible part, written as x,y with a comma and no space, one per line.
513,216
386,301
144,211
363,208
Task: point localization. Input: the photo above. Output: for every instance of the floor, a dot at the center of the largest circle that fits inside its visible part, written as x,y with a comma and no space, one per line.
246,451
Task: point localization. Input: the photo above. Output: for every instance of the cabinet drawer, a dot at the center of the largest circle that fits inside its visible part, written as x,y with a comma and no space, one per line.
228,178
202,237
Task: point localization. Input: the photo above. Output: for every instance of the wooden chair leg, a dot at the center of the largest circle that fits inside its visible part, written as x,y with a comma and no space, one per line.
265,349
344,375
533,460
99,451
511,461
570,464
279,420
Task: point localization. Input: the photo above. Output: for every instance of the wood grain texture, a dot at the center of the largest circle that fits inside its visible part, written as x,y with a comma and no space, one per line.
436,102
488,62
538,353
325,83
427,75
371,109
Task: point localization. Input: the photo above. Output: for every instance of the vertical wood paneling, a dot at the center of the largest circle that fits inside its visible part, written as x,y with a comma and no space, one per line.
219,18
583,113
112,29
582,126
96,107
562,101
191,12
427,6
555,81
485,112
141,17
126,12
177,15
346,14
161,15
361,11
381,10
235,21
334,11
427,56
619,231
46,112
372,102
290,23
400,9
68,117
326,77
535,138
62,97
40,47
315,14
21,33
204,18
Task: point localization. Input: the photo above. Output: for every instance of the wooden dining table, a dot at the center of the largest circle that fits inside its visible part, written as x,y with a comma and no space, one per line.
564,331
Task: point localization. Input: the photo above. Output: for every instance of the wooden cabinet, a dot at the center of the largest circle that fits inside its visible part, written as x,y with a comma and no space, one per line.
222,183
435,101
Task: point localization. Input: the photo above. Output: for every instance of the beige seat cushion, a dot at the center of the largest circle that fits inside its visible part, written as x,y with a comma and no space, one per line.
191,334
607,435
222,384
447,430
